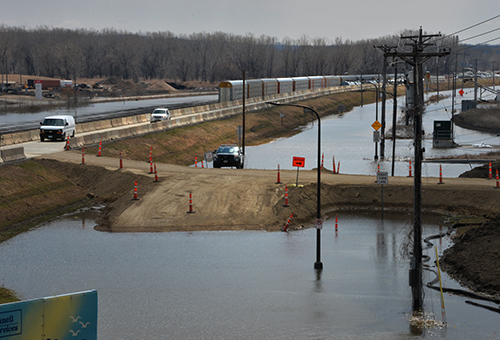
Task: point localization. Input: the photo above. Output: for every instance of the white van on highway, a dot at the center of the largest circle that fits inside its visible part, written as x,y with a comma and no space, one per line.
57,127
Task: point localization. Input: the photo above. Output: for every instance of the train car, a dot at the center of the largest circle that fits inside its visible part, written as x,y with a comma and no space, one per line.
269,87
331,81
285,85
253,88
300,83
230,90
316,82
233,89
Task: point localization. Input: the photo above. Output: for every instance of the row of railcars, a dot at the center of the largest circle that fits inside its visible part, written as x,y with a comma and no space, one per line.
233,89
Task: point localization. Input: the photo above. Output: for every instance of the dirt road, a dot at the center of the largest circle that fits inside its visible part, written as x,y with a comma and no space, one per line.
225,199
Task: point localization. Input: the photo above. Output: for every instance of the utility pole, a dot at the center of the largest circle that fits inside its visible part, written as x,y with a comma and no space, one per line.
386,49
437,76
453,95
493,71
475,81
394,114
243,114
416,58
362,90
384,98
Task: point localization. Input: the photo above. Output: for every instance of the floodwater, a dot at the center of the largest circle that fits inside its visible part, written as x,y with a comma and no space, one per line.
241,284
349,138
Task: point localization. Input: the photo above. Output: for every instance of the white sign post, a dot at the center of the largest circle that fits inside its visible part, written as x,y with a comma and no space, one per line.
383,179
209,157
38,89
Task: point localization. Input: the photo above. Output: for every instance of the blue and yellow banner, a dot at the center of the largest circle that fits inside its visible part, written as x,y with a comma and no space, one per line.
62,317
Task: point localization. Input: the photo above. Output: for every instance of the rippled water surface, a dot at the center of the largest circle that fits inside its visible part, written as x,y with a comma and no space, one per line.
239,284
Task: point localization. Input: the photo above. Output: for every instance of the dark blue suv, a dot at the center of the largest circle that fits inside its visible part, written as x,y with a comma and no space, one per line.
228,156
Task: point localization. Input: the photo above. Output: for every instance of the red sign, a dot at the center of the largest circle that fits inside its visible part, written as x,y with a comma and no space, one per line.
299,162
461,92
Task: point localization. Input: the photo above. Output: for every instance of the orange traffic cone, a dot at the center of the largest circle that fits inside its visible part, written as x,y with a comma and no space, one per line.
285,228
99,153
286,196
190,211
278,181
135,191
156,175
440,175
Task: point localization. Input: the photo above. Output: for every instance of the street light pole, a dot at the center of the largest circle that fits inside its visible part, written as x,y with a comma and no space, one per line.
376,113
318,264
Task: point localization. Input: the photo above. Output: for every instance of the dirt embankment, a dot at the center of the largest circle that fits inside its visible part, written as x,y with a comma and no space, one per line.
250,199
475,258
486,119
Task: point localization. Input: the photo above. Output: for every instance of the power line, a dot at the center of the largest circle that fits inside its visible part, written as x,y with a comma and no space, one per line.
476,45
472,26
496,29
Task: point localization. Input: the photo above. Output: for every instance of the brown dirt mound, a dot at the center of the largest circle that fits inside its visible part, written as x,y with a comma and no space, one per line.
159,85
481,119
126,85
481,171
475,259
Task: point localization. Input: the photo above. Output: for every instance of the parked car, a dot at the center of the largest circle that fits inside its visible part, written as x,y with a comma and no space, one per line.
159,114
57,127
228,156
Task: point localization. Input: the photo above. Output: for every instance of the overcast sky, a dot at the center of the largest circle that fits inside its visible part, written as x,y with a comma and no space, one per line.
347,19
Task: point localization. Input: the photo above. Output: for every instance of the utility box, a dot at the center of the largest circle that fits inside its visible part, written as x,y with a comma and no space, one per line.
443,134
468,105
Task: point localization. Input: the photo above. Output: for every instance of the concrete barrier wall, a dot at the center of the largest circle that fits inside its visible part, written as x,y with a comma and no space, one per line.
12,154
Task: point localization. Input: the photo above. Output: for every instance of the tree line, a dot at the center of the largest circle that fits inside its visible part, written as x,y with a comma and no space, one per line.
207,57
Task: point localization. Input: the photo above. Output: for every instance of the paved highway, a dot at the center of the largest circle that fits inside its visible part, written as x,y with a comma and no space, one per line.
97,111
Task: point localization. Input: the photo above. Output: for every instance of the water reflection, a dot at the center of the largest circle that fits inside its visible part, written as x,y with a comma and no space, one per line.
245,285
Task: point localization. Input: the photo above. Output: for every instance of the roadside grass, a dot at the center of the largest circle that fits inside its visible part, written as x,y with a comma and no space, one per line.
7,295
31,194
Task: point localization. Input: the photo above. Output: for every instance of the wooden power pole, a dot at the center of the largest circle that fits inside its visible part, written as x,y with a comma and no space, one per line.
416,58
